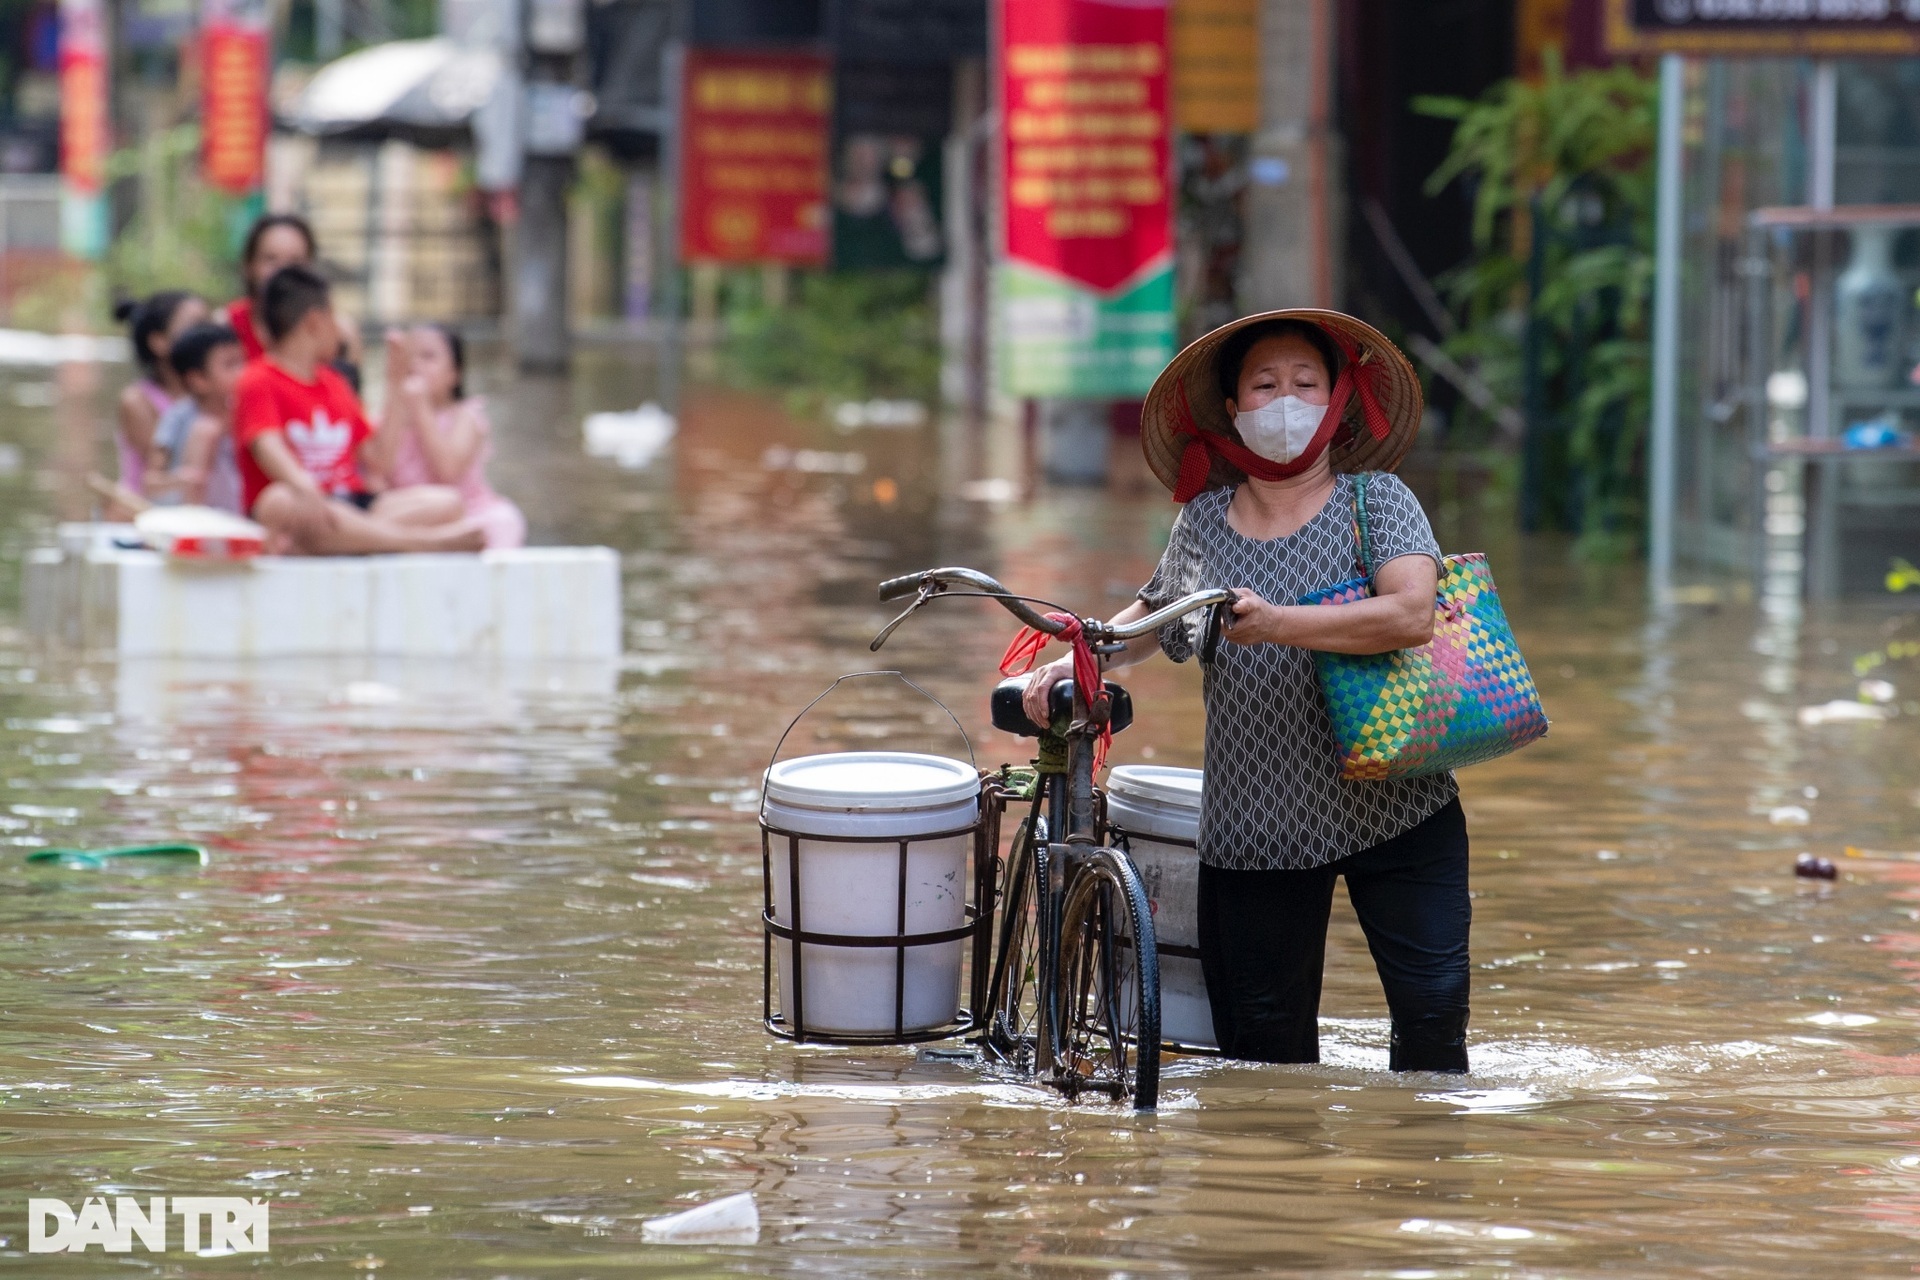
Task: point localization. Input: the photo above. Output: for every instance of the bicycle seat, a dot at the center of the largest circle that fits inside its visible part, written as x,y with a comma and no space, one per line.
1010,717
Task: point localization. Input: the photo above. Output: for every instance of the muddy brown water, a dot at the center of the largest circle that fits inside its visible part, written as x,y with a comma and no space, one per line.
471,985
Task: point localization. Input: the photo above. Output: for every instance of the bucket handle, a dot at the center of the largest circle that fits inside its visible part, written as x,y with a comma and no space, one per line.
860,675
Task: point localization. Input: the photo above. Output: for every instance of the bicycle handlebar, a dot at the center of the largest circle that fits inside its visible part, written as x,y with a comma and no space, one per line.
904,585
939,579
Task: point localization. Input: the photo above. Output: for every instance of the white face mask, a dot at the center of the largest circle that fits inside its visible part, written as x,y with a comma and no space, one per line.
1281,430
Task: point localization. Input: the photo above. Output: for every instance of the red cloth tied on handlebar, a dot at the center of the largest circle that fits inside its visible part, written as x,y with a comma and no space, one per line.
1356,378
1025,649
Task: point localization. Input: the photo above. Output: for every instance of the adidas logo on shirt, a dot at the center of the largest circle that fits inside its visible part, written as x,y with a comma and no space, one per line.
319,444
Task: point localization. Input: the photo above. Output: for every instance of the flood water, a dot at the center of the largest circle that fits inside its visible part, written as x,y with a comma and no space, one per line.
471,985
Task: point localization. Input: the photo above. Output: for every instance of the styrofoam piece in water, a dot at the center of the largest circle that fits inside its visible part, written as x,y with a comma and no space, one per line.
731,1219
270,608
556,602
541,603
631,439
431,605
1147,801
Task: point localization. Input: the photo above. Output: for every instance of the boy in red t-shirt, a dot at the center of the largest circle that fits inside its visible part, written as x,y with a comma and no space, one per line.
301,437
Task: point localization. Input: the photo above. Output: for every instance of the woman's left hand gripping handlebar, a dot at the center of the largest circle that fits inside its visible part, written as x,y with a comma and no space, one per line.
1253,620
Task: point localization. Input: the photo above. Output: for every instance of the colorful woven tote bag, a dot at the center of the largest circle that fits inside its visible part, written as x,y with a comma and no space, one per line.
1465,697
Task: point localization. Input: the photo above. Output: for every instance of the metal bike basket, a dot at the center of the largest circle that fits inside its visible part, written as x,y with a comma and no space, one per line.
1154,814
877,870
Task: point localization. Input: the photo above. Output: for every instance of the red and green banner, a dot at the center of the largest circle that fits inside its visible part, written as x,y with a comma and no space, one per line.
233,103
84,130
753,148
1086,293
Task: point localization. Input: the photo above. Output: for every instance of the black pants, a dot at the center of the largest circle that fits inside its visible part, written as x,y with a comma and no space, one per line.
1263,945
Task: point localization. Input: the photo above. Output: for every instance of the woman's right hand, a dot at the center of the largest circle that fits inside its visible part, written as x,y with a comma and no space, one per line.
1040,686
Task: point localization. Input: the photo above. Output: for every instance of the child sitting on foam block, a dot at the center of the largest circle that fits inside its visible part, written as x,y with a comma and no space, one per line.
303,438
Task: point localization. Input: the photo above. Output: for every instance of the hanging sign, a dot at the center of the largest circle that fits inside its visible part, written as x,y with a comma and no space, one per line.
83,128
1765,28
233,100
1216,66
1086,294
753,169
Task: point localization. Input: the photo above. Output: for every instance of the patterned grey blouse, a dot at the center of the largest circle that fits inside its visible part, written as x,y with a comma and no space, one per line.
1274,798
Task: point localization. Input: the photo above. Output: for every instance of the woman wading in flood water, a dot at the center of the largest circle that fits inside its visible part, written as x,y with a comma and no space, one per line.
1260,428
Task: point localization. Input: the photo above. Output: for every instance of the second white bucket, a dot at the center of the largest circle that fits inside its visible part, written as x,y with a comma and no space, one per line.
850,811
1159,809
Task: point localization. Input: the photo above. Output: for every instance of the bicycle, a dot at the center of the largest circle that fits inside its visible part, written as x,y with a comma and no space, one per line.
1073,995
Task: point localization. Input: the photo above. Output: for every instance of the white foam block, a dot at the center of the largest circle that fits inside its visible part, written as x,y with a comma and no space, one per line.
432,606
265,609
556,602
543,603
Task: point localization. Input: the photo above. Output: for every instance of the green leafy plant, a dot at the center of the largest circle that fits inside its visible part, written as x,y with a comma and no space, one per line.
849,336
1554,301
182,236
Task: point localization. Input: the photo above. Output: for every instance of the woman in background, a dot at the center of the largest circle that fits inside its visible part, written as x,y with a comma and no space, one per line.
274,241
152,325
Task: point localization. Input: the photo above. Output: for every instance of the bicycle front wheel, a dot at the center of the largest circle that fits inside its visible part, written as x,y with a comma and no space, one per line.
1108,998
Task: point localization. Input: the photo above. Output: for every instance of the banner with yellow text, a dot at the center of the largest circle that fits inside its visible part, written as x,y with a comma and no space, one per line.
83,128
233,99
1086,292
753,169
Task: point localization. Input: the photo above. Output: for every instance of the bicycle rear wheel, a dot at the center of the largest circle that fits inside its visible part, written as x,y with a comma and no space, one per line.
1108,1035
1014,1026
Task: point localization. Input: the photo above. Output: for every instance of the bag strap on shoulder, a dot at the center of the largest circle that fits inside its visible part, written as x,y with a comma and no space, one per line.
1362,534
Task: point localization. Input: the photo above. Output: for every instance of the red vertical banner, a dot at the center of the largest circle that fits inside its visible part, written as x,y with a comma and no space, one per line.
84,128
233,106
1087,287
83,96
753,169
1084,92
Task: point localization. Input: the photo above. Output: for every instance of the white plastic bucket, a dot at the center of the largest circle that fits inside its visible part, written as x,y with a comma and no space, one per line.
1159,809
850,811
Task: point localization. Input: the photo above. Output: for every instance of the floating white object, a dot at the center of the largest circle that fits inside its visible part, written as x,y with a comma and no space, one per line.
25,347
1789,815
533,602
853,889
1878,691
200,533
852,415
1841,712
1159,809
729,1220
813,462
994,489
630,439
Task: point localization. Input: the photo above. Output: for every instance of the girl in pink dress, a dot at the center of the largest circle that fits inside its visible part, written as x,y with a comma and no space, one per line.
434,433
152,325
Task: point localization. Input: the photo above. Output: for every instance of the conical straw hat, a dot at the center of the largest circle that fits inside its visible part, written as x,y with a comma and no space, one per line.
1193,375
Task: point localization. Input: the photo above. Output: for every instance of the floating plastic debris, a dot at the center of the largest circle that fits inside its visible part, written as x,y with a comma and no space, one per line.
630,439
93,859
1812,868
813,461
1881,691
1789,815
730,1220
994,489
1840,712
24,347
852,415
